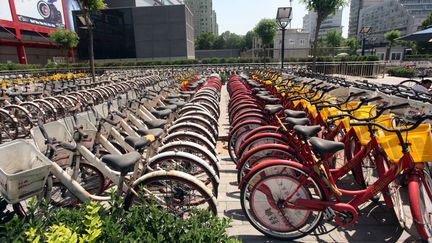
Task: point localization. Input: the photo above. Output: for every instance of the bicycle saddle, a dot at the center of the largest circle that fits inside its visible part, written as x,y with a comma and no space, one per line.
162,113
178,103
307,132
297,121
155,123
156,132
323,146
187,92
138,143
173,96
124,163
167,107
273,109
295,114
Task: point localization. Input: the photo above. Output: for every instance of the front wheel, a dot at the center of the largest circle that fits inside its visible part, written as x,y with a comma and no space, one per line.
263,200
420,197
174,191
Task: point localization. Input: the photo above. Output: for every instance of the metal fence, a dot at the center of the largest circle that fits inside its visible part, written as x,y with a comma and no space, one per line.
362,69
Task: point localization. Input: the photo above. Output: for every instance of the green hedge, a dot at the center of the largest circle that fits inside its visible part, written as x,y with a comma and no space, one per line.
402,72
15,66
98,223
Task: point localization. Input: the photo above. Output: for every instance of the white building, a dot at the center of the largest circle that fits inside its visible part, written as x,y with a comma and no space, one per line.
354,17
297,44
384,17
333,22
204,16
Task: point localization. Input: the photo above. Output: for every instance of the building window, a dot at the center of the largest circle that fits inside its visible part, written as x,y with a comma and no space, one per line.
302,42
396,56
291,42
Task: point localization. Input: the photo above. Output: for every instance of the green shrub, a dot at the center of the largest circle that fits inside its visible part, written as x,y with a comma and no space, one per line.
97,223
402,72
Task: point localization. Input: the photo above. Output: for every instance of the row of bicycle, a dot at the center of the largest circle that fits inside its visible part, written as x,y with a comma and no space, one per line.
293,142
147,141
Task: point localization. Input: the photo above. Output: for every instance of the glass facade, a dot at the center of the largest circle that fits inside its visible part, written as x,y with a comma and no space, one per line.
113,35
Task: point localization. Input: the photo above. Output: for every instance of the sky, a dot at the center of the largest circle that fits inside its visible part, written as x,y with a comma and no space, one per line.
240,16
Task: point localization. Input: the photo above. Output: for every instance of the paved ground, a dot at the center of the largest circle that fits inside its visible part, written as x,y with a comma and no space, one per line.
376,222
380,79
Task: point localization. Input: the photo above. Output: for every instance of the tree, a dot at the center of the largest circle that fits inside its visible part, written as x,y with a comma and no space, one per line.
205,41
425,47
266,31
248,40
353,45
232,40
390,37
66,39
333,38
427,22
323,8
89,7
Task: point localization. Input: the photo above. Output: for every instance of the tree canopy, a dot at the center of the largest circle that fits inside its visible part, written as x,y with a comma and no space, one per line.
323,8
266,31
391,36
353,45
333,38
64,38
427,22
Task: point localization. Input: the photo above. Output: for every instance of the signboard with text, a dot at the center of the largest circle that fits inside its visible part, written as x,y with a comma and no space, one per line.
47,13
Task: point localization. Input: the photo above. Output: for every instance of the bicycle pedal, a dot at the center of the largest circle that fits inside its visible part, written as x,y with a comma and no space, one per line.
329,214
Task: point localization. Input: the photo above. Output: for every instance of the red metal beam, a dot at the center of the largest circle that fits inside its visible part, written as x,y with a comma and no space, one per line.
28,44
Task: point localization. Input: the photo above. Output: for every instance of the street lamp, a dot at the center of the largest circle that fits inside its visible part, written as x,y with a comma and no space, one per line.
363,32
283,18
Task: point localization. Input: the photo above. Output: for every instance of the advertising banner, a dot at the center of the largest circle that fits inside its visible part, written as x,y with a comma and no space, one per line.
47,13
5,11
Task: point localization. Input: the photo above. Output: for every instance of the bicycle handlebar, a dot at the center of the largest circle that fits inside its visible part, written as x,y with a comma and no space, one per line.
379,113
419,120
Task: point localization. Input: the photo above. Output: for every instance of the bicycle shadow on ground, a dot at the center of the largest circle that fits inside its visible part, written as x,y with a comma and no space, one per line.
376,223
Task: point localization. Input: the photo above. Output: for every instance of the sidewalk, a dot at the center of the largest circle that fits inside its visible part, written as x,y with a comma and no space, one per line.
380,79
376,222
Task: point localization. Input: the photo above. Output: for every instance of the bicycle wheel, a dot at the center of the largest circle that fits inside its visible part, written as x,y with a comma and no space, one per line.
174,191
195,149
90,178
260,155
6,213
191,137
263,196
188,163
420,198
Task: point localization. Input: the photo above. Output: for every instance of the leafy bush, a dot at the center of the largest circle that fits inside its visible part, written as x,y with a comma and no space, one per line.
15,66
96,223
402,72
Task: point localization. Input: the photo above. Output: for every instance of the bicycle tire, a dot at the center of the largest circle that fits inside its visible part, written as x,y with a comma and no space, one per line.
188,163
195,149
420,209
185,183
270,170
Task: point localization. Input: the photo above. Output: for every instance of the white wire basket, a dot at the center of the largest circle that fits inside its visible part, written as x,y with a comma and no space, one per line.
58,131
23,171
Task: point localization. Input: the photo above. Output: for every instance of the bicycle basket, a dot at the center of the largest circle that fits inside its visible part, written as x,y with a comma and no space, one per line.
419,140
23,171
58,131
363,134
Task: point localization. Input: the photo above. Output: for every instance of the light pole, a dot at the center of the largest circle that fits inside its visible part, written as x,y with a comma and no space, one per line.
363,32
283,18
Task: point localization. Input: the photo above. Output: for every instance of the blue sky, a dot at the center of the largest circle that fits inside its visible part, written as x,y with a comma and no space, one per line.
240,16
